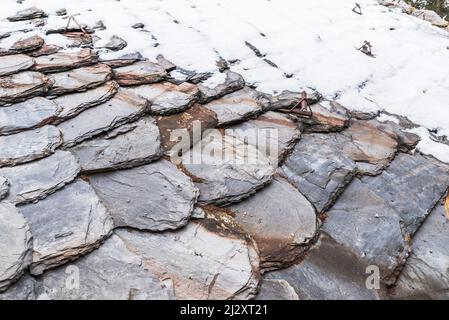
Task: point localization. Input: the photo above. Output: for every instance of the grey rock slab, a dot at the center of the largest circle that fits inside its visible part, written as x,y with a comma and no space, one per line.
30,114
225,169
15,244
396,202
238,106
228,83
28,14
425,276
45,50
281,221
115,43
80,79
153,197
121,109
36,180
26,288
112,272
167,98
329,272
75,103
327,116
4,187
127,146
289,99
431,16
123,60
276,289
29,145
27,44
274,134
208,259
66,225
318,168
142,72
63,61
24,85
14,63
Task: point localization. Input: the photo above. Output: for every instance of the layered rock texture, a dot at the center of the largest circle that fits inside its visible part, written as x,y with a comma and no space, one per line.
137,184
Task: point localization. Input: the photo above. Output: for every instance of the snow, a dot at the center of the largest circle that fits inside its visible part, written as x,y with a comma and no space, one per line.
313,44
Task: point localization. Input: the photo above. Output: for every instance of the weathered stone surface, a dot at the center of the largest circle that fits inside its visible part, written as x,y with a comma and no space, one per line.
209,259
274,134
26,288
396,202
321,165
22,86
63,61
121,109
14,63
79,39
274,289
80,79
327,116
238,106
45,50
115,43
153,197
281,221
329,272
29,145
28,44
431,16
165,63
289,99
425,276
167,98
212,90
75,103
197,117
36,180
319,169
127,146
30,114
123,60
142,72
28,14
225,169
4,187
15,245
66,225
113,272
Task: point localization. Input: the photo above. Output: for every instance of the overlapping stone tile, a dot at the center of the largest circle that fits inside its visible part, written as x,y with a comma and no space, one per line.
238,106
396,202
121,109
24,85
225,169
273,133
63,61
29,145
167,98
45,50
15,245
425,275
122,60
153,197
288,99
10,64
30,114
208,259
228,82
127,146
36,180
142,72
80,79
196,118
27,44
327,116
281,221
75,103
4,187
66,225
28,14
